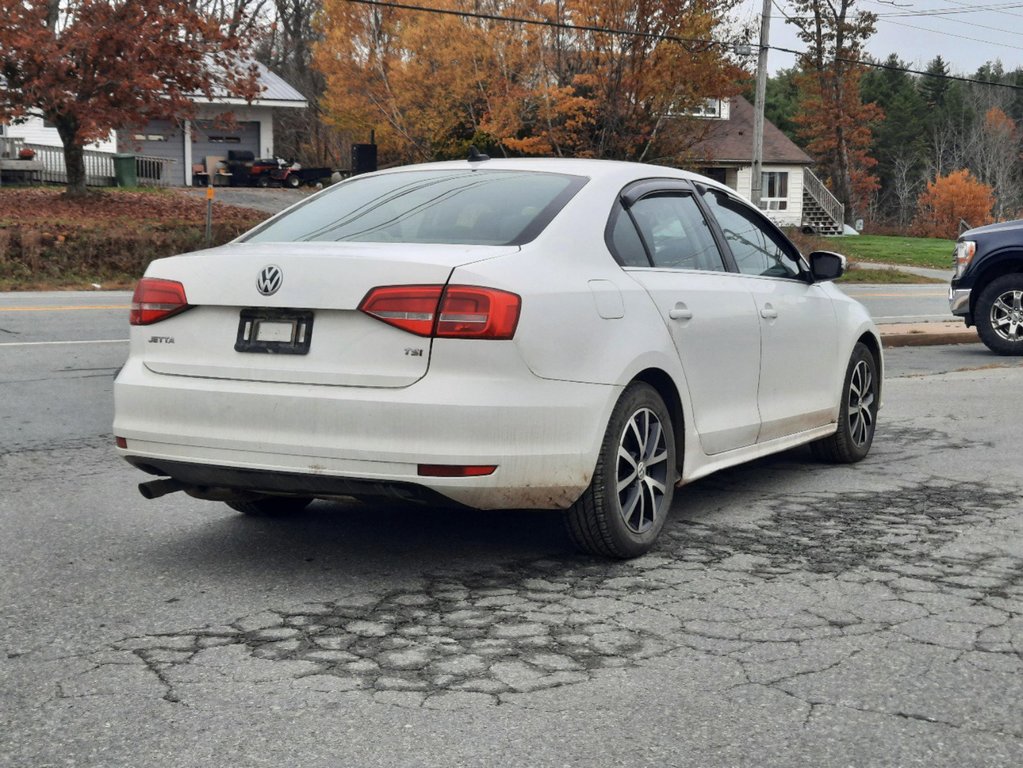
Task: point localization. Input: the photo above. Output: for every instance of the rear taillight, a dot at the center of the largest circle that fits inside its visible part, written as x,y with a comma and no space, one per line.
156,300
468,312
412,308
455,312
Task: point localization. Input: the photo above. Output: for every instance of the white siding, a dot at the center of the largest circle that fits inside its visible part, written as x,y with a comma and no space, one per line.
33,131
793,215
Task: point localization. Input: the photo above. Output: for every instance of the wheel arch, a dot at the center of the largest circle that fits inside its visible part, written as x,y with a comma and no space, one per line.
872,343
666,388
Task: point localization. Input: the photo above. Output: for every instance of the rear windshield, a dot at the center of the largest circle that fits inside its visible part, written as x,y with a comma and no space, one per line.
470,207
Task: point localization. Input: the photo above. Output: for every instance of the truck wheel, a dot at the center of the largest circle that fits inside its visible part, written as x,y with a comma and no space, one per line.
624,509
999,315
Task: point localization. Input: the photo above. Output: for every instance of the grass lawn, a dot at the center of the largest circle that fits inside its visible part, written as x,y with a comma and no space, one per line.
911,251
860,274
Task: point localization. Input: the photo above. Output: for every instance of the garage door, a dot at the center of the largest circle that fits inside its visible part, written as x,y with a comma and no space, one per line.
161,138
218,141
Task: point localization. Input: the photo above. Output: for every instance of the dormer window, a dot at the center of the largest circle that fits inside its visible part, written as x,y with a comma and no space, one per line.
708,109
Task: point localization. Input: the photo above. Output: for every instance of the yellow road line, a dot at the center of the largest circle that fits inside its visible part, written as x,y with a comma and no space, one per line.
65,309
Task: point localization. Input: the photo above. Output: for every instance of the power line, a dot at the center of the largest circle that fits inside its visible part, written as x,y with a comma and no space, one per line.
952,34
706,44
940,15
540,22
953,11
963,8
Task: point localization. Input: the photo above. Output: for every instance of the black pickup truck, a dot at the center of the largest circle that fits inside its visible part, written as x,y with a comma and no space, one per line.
987,287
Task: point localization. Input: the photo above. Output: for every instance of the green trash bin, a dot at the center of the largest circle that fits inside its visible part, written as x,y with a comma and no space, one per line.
124,170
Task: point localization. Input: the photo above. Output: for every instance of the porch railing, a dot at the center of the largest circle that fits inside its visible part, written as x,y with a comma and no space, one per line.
99,167
827,201
10,146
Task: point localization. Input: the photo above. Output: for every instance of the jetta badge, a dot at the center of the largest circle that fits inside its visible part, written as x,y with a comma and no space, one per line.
269,280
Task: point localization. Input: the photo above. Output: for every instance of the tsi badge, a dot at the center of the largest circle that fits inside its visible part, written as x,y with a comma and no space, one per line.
269,280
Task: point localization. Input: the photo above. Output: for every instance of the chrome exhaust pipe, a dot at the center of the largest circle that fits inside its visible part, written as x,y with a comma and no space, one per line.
154,489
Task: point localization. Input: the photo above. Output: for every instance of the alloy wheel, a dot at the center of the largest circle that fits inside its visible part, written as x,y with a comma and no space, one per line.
861,403
642,471
1007,316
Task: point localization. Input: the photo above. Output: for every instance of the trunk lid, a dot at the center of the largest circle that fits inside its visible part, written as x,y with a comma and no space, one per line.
309,329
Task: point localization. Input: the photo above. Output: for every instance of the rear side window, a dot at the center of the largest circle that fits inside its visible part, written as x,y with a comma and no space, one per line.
665,230
463,207
676,233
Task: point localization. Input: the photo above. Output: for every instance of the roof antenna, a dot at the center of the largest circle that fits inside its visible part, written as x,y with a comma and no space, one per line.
475,155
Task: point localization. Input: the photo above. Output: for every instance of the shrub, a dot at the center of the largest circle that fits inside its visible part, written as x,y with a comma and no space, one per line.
949,200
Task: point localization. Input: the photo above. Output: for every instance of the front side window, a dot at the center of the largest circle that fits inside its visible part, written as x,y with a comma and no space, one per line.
675,233
757,248
463,207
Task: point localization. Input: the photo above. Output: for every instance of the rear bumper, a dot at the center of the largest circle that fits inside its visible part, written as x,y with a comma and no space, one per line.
542,435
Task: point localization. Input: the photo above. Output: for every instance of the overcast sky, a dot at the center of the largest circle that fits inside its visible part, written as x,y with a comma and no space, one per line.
965,33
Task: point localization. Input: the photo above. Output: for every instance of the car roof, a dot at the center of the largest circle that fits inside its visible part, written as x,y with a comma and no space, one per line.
618,171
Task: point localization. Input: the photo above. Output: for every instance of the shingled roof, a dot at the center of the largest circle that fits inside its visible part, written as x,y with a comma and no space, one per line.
731,140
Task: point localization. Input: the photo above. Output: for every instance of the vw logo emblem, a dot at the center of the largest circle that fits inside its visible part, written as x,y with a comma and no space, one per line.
269,280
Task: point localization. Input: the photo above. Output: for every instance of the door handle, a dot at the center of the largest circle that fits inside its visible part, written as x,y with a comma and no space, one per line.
768,312
680,312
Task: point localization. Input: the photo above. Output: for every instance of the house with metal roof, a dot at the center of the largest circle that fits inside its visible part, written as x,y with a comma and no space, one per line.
171,153
792,195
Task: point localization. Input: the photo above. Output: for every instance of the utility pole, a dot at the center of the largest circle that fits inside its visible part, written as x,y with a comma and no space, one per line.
757,182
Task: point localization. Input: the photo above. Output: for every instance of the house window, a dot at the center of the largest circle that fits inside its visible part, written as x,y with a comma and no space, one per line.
709,108
225,139
774,190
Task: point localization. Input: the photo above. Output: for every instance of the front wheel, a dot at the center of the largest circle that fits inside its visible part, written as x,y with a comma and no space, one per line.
999,315
294,180
857,416
622,512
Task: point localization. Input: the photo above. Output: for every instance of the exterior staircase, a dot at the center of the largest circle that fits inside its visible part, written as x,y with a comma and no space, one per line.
822,212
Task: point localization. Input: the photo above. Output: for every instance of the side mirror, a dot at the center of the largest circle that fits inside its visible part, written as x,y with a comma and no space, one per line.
825,265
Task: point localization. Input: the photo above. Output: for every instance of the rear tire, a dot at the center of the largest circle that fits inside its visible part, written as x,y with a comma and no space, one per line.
999,315
294,181
622,512
271,506
857,417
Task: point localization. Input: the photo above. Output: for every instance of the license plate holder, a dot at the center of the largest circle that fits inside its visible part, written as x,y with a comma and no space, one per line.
275,331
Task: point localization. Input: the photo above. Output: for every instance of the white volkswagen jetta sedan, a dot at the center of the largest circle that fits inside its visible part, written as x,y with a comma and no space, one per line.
565,334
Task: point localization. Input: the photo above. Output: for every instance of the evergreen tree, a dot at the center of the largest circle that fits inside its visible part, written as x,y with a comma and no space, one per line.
899,145
781,102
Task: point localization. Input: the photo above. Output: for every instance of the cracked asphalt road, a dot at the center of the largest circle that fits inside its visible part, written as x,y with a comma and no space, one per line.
793,613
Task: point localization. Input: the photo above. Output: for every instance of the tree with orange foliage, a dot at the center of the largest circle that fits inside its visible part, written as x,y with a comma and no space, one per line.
832,117
591,78
91,66
949,200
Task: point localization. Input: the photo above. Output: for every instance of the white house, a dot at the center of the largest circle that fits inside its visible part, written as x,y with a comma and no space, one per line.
792,196
180,146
